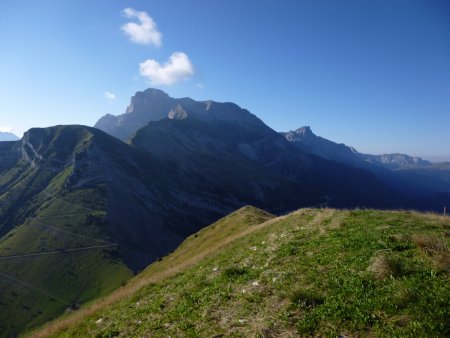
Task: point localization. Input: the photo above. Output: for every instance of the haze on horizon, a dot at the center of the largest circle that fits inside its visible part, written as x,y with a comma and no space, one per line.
373,75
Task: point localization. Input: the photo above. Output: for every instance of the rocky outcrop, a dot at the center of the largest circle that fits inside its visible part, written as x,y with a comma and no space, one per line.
154,105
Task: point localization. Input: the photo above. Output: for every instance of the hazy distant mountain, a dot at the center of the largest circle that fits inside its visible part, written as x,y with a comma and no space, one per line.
395,161
411,176
307,140
4,136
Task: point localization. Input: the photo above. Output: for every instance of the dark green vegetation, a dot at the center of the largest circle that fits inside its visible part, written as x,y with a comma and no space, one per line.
313,272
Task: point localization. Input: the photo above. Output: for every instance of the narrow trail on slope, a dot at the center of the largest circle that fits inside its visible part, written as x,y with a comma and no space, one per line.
64,215
77,206
56,252
28,285
72,233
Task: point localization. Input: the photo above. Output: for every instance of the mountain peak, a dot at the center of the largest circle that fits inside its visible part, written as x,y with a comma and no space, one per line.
141,100
304,131
300,134
154,105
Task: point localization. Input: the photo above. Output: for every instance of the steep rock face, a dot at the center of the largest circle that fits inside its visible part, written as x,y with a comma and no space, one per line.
154,105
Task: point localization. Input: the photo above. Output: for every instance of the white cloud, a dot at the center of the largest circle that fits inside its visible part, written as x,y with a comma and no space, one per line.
6,129
145,32
110,96
176,69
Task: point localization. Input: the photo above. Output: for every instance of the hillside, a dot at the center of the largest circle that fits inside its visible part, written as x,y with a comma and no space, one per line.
311,272
78,205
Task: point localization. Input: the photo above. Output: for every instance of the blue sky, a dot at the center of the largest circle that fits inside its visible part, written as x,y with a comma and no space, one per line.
371,74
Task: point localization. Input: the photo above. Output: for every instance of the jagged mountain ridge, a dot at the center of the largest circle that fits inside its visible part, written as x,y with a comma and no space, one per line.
252,140
154,104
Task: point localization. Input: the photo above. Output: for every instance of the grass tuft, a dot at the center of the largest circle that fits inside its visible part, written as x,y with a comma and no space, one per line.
235,272
430,244
306,298
436,249
382,267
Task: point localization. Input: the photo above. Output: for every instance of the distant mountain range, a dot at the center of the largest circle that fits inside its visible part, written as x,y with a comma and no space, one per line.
87,203
4,136
304,138
427,183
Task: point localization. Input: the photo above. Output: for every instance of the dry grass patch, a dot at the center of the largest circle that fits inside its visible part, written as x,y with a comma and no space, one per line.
382,267
436,249
430,244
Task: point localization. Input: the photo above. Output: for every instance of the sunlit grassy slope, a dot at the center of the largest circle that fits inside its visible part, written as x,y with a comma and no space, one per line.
312,272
